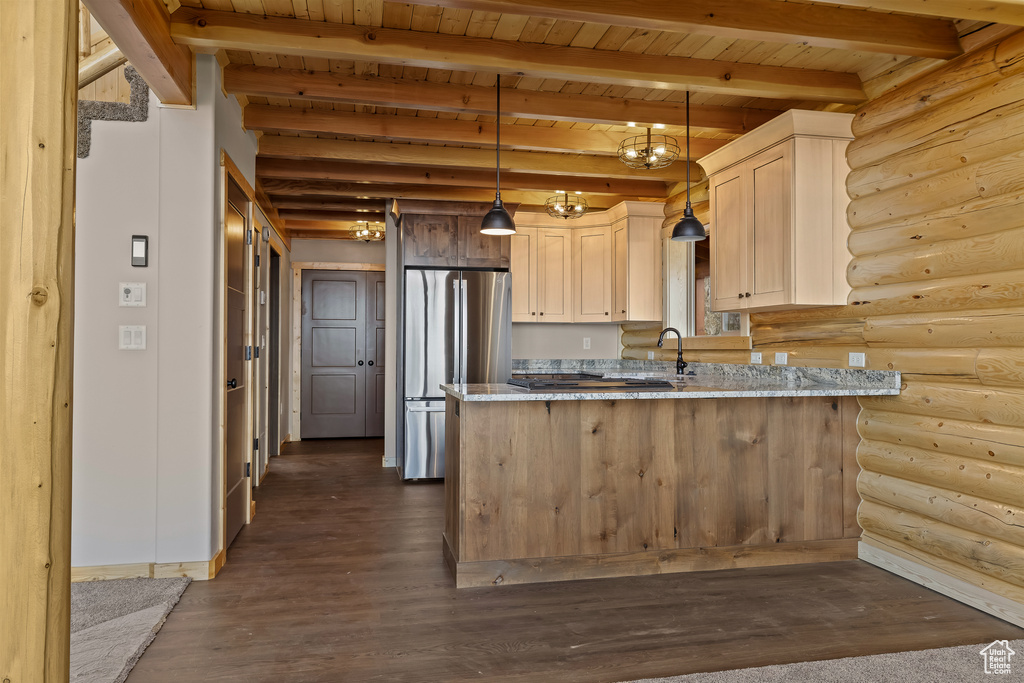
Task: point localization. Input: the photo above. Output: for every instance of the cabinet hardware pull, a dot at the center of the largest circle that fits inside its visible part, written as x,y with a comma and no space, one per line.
534,313
741,295
748,295
542,312
623,310
606,312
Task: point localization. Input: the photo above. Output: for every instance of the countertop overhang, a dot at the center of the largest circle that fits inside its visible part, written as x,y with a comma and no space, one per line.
701,380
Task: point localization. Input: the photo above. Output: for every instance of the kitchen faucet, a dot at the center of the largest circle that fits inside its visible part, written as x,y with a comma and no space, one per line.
680,363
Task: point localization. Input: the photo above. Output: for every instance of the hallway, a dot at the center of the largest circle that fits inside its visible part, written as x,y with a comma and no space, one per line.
340,578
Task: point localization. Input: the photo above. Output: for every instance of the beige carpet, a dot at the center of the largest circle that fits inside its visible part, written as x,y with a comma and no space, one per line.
113,622
963,664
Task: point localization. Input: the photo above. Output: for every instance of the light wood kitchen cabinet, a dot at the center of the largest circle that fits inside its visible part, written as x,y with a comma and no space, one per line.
541,267
778,214
591,275
636,268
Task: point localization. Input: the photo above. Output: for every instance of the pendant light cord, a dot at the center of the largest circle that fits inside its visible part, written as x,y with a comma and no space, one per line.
497,145
688,149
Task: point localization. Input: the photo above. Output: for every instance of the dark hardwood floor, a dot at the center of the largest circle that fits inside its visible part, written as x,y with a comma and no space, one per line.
340,578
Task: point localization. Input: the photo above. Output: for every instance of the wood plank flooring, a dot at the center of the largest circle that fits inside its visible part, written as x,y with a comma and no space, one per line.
340,578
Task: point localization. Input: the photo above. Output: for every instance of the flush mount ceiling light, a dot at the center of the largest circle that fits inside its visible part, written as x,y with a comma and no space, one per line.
648,151
689,228
564,205
497,221
367,233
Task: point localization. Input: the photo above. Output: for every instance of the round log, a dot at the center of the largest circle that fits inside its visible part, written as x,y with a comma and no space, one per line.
971,402
904,134
1004,289
985,518
954,569
977,217
990,443
995,557
810,332
990,480
970,328
951,258
1001,366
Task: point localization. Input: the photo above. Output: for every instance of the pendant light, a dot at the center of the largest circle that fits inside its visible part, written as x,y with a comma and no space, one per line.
497,221
689,228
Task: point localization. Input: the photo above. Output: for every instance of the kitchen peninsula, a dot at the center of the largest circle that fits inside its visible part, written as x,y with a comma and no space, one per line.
734,466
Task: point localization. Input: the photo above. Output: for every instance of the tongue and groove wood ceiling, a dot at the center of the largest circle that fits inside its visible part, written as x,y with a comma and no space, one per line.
357,101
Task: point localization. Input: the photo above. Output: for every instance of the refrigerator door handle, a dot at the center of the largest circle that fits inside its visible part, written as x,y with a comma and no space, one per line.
464,338
456,347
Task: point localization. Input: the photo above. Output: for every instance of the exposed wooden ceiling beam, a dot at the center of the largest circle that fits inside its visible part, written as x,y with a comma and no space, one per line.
761,20
210,30
240,79
444,131
308,189
98,64
356,205
304,226
999,11
274,146
437,176
141,30
316,230
328,215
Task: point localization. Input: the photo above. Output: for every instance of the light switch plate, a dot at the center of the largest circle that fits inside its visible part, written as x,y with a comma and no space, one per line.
586,343
131,293
755,357
781,358
650,355
857,360
131,337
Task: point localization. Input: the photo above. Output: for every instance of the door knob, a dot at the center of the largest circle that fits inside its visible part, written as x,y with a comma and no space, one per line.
232,383
360,362
370,362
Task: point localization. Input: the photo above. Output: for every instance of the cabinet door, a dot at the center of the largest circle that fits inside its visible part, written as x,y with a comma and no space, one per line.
728,242
768,242
620,272
430,240
592,275
554,276
477,250
523,266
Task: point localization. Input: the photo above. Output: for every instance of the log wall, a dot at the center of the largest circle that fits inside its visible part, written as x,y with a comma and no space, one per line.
937,237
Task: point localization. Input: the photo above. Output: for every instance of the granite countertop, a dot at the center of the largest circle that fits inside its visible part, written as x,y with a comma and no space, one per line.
701,380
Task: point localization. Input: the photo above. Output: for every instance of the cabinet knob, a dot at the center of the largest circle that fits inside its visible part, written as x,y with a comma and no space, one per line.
747,295
542,312
741,295
623,310
606,312
533,313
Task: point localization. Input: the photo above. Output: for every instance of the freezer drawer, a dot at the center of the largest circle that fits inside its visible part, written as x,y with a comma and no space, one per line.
424,440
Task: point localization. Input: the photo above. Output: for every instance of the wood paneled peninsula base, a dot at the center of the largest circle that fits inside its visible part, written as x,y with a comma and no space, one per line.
552,490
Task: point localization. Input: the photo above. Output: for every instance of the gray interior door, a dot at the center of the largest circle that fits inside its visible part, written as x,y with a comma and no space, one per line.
333,354
374,353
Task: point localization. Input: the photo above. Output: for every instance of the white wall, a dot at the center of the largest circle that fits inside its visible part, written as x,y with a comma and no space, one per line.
564,340
145,457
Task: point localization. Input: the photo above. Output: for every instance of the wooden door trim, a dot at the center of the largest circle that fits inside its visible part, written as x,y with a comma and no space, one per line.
295,431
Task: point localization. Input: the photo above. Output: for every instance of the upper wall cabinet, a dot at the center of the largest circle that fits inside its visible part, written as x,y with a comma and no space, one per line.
592,275
636,263
778,214
541,275
451,241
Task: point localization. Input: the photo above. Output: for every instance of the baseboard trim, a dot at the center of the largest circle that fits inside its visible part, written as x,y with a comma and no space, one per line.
941,582
198,571
643,563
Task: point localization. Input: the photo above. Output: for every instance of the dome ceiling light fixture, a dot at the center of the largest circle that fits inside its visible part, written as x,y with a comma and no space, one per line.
564,205
365,233
497,221
648,151
689,228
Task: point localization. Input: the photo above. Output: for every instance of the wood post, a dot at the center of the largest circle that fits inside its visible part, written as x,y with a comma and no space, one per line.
39,72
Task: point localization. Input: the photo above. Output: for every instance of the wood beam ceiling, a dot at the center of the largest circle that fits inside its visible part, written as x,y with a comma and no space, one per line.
273,146
211,30
999,11
444,131
141,30
395,92
328,215
278,189
761,20
437,176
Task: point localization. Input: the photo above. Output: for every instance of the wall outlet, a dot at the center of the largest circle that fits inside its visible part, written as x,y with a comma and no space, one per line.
782,359
857,360
131,337
650,355
586,342
131,293
755,357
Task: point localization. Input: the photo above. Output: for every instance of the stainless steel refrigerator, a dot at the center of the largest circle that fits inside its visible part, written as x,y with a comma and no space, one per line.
457,330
